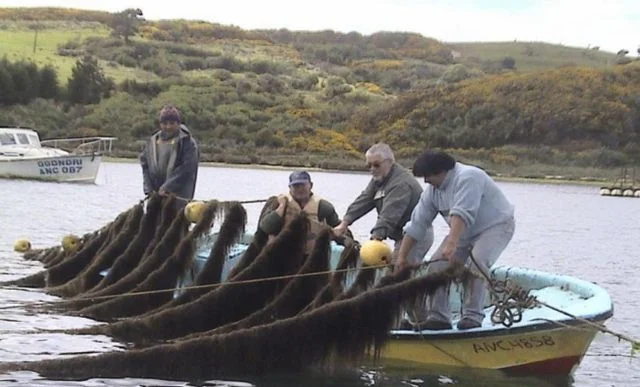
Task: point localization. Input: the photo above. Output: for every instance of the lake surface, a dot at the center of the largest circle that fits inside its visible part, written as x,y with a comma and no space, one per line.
567,229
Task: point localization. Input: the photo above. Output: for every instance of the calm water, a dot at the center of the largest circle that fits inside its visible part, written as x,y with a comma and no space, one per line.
560,228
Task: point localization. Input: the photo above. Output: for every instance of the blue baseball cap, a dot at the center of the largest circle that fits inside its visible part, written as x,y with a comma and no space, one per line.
299,177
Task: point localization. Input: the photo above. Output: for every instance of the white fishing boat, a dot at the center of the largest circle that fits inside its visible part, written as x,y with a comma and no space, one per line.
24,156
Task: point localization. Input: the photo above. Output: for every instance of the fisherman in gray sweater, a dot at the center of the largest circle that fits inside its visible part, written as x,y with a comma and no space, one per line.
481,221
393,191
170,158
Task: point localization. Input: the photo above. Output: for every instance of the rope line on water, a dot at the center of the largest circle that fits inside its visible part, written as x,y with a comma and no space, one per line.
245,282
157,291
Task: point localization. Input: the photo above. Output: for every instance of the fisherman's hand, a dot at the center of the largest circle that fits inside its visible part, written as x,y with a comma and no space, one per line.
450,248
282,200
400,264
340,229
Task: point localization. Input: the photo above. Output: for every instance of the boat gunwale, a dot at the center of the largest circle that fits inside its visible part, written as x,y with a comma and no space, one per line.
536,326
12,159
587,290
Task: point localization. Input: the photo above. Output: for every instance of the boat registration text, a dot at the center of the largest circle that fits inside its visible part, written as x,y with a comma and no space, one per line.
54,167
513,344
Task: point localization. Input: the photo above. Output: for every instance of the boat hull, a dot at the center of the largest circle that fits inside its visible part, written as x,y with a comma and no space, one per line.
68,168
536,351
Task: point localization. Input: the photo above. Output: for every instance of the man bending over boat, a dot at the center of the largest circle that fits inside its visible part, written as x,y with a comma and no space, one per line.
170,158
393,192
300,198
481,221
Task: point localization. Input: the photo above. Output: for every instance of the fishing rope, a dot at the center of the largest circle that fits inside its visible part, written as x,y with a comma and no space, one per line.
204,286
241,201
510,299
256,280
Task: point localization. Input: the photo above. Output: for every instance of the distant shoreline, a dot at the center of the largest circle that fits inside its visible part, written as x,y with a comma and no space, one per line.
515,179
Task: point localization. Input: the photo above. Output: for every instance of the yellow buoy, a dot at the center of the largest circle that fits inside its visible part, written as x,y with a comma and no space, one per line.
22,246
193,211
374,253
70,243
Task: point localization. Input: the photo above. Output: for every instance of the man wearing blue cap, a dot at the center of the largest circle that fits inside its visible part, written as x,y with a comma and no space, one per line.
300,198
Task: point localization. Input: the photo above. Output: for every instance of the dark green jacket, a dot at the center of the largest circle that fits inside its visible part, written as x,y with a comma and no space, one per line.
272,223
393,198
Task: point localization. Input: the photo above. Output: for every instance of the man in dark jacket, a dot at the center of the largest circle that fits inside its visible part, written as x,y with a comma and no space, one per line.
393,191
170,158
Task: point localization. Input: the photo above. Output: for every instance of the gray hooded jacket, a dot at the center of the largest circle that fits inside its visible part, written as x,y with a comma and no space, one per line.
181,172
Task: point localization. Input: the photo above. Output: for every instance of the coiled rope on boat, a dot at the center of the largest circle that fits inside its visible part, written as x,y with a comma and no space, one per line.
509,300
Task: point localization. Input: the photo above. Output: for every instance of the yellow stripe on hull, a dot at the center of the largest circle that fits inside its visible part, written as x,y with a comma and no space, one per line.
499,351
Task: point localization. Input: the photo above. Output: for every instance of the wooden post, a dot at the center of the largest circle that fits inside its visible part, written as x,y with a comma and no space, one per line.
35,40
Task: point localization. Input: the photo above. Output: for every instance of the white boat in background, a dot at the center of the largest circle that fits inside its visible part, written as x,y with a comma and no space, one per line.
24,156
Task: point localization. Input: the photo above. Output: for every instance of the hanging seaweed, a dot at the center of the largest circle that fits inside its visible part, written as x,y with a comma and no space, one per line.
37,254
231,230
54,259
46,255
131,257
165,277
38,280
348,259
260,239
258,242
90,276
270,205
68,269
90,250
168,216
363,281
54,252
160,252
344,332
134,252
297,294
224,304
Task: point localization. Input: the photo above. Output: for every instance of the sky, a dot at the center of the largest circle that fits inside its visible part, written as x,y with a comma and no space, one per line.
610,24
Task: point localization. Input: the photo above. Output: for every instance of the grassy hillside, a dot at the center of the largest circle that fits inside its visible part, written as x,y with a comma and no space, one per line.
17,43
570,116
531,56
321,98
